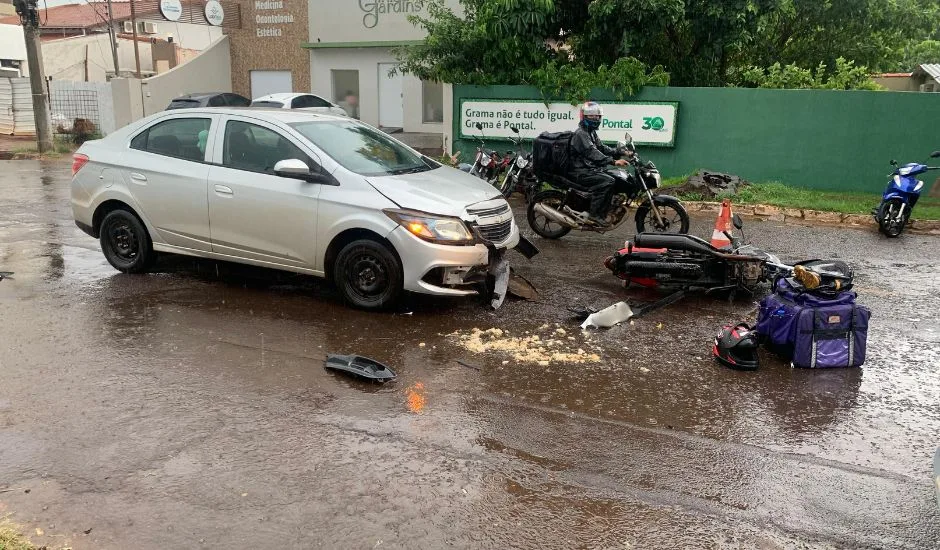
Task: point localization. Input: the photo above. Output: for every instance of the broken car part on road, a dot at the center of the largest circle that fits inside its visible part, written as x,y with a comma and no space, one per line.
357,365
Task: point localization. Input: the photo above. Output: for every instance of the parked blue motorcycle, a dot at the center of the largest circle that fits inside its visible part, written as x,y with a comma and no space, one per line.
900,197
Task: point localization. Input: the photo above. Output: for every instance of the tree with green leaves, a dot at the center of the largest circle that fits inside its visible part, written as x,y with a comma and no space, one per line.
567,46
516,42
844,76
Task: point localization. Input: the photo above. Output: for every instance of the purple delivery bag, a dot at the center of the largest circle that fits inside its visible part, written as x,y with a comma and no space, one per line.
813,330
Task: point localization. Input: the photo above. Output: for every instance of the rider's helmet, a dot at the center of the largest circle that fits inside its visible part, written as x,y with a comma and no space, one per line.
591,115
736,347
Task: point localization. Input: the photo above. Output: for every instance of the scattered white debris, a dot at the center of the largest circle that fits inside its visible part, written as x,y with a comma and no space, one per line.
523,349
609,316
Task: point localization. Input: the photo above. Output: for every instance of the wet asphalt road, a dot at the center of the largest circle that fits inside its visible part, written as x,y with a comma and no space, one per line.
189,408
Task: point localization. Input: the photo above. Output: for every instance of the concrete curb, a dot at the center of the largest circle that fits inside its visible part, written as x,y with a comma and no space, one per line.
810,217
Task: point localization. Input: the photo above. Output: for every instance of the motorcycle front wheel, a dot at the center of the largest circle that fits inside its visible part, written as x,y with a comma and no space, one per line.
886,215
543,226
674,218
508,184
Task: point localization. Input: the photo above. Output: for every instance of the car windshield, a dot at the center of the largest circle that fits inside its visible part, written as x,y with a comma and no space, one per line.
362,149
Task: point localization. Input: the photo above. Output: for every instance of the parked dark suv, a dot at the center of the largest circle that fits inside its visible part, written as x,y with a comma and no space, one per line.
209,99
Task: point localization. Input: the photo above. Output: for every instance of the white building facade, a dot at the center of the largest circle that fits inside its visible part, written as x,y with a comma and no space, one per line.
352,63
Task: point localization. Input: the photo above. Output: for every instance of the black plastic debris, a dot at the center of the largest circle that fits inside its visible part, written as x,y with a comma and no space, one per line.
581,313
520,287
359,366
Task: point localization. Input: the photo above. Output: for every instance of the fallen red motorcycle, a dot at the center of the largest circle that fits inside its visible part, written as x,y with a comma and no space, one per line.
683,262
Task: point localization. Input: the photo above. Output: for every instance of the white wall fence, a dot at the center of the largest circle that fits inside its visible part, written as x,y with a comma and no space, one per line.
92,101
117,103
16,107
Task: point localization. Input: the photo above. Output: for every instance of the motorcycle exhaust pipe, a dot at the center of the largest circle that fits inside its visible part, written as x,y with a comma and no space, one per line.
555,215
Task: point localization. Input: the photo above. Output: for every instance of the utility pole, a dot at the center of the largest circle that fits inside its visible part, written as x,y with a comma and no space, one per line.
114,54
29,16
136,51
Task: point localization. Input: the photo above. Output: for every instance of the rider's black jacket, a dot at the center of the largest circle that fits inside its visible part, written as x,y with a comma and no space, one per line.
588,152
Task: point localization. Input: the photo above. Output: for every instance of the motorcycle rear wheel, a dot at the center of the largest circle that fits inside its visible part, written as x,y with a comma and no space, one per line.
543,226
675,218
887,213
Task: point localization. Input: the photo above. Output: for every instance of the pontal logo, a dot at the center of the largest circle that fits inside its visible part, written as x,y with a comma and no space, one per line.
373,10
654,123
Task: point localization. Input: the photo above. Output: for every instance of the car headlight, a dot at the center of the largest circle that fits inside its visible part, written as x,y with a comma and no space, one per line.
431,228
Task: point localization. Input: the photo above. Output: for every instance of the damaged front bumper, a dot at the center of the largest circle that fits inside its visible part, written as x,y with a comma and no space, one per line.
448,270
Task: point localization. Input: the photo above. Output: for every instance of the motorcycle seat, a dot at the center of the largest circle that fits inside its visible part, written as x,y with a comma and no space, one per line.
562,182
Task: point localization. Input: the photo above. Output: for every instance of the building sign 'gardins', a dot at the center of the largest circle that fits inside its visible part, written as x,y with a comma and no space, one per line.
373,10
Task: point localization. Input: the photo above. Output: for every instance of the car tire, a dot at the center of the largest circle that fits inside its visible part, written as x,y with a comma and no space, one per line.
368,275
126,243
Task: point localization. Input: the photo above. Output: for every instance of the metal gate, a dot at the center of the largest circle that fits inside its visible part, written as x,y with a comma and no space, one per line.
16,107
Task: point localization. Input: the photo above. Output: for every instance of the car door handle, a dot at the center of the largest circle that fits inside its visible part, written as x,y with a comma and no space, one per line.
224,190
136,176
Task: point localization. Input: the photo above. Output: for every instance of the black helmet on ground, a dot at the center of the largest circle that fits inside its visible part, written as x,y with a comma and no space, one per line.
736,347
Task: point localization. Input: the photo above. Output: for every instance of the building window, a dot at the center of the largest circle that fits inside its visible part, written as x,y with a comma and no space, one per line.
346,91
432,101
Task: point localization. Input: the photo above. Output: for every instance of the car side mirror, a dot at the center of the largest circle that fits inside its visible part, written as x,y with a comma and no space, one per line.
737,221
297,169
935,154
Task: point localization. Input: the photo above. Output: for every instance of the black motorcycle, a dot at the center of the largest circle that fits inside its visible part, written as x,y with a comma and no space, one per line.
686,262
518,175
553,213
486,163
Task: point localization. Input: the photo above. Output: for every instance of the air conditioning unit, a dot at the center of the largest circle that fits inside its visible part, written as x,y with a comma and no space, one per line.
128,27
146,27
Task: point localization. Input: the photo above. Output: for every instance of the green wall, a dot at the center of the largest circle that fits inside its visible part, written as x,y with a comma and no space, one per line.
821,139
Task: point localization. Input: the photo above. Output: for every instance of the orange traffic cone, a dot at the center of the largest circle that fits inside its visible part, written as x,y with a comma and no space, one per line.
722,224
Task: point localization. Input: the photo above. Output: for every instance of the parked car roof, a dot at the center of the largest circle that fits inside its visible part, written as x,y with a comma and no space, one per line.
282,96
200,95
287,116
208,99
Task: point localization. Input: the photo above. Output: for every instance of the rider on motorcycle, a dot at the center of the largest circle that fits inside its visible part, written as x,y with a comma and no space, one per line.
589,158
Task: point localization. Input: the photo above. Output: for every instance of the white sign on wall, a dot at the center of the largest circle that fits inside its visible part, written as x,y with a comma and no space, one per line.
214,13
171,9
271,12
650,123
